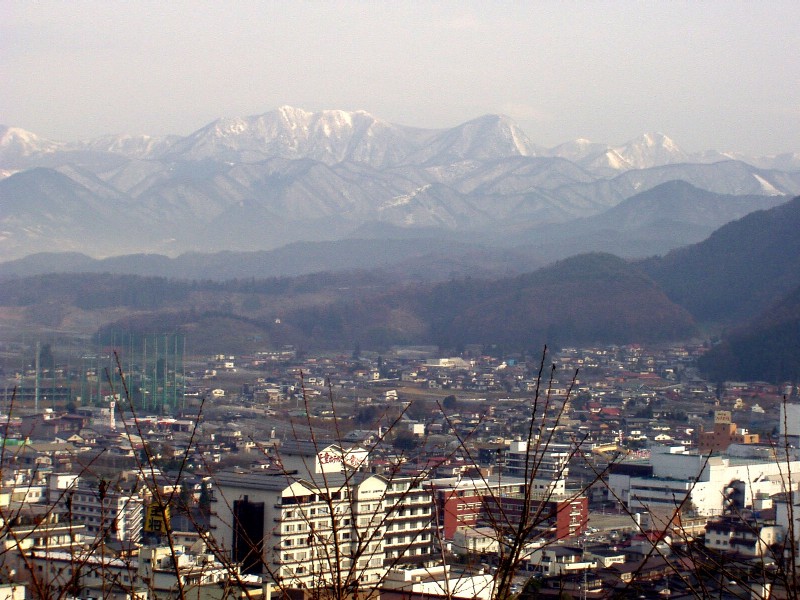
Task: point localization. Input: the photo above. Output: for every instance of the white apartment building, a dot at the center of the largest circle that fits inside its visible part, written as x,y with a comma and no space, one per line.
300,457
735,535
158,573
104,510
442,582
307,532
787,510
790,421
409,522
157,566
475,540
306,526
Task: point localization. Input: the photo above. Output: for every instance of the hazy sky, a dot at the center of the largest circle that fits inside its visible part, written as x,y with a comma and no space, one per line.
723,75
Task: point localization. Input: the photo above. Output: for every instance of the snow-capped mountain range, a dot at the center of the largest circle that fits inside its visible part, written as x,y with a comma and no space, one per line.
262,181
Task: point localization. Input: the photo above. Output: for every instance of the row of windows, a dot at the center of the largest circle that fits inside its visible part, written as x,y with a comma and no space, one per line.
405,525
94,499
407,539
407,512
674,501
102,520
313,525
97,509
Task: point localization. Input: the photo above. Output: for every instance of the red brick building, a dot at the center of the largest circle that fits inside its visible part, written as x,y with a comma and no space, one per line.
492,502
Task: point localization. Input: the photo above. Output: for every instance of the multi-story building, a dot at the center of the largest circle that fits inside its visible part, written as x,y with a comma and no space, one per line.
681,481
409,530
158,573
459,500
309,532
500,502
736,534
284,521
172,572
551,516
790,422
545,463
724,434
106,511
37,527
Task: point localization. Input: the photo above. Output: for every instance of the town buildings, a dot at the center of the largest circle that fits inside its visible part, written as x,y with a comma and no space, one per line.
106,511
355,509
678,481
501,503
323,525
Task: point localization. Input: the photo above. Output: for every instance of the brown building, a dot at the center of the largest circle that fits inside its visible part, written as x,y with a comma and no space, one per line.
724,434
496,503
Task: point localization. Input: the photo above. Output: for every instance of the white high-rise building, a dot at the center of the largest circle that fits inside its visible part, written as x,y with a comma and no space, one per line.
323,525
305,533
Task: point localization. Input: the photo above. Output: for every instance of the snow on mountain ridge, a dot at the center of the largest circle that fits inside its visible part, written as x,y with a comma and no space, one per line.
131,146
21,142
651,150
483,138
329,136
404,198
332,136
766,186
576,150
261,179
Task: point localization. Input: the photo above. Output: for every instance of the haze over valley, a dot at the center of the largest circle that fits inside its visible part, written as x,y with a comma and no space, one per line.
358,301
453,190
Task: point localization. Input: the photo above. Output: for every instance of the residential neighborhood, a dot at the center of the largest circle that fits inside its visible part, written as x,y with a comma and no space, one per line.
594,470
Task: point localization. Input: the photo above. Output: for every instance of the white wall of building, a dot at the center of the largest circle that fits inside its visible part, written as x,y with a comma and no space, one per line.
790,419
440,581
708,483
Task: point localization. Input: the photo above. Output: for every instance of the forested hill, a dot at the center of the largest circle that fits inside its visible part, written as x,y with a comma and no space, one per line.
767,349
739,271
590,298
584,299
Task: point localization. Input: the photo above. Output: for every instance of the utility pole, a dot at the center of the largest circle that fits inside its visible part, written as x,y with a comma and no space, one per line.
36,378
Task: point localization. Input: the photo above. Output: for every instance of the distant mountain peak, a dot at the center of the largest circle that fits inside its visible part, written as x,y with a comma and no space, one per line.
328,136
291,112
656,139
489,136
230,126
651,150
17,142
257,181
12,135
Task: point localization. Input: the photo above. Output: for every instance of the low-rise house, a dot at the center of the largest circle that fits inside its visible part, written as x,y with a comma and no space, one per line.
442,581
604,556
554,561
737,535
475,540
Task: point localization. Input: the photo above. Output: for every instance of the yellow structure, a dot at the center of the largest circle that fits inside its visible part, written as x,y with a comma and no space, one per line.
156,519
